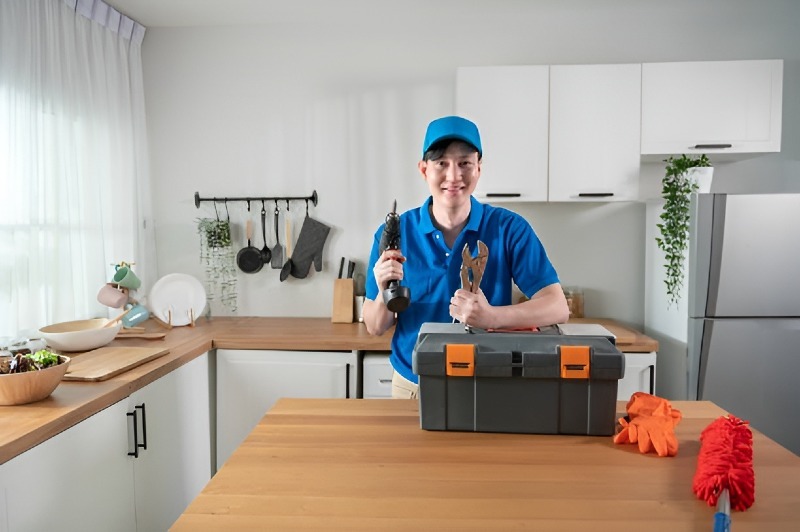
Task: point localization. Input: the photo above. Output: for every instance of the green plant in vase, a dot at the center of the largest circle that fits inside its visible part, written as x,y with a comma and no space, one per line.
219,261
676,189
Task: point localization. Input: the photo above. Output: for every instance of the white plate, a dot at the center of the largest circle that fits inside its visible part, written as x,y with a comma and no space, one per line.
180,294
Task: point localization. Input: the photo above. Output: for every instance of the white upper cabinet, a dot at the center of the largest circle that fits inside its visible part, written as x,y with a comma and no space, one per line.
712,107
510,106
595,113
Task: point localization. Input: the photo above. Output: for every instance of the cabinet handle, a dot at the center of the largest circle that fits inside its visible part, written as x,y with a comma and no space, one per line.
143,445
135,452
347,381
652,379
385,381
710,146
503,194
595,194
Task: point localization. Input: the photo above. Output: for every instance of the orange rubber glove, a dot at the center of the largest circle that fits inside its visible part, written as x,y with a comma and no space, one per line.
651,423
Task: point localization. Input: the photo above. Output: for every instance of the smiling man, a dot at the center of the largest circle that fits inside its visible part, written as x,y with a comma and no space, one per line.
429,259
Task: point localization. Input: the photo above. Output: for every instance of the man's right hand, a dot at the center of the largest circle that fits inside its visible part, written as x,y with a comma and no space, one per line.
389,267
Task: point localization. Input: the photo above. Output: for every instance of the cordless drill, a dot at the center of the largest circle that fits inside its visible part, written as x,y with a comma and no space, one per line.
396,297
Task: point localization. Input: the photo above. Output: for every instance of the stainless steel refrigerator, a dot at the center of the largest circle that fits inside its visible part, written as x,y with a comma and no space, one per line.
744,309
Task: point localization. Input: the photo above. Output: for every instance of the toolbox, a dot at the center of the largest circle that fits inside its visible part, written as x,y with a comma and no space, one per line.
524,382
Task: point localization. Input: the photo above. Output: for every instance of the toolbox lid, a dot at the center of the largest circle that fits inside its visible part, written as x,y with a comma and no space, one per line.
512,354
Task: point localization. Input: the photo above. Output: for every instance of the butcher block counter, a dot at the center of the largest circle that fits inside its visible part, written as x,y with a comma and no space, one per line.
23,427
330,464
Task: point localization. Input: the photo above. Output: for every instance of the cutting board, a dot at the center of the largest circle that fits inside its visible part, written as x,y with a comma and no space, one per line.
107,362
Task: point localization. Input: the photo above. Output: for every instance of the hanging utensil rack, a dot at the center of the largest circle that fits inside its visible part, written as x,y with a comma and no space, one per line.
312,198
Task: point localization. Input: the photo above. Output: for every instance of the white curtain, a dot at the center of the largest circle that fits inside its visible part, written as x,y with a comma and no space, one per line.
74,175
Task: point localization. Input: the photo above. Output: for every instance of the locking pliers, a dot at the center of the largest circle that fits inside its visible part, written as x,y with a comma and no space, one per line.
475,265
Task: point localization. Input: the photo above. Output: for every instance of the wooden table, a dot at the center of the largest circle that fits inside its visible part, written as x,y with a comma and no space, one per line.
334,464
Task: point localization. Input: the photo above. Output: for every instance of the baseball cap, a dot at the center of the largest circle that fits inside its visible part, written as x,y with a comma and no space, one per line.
452,127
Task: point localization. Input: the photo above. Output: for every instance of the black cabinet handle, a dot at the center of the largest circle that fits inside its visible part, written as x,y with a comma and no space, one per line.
135,452
503,194
711,146
595,194
652,379
143,445
347,381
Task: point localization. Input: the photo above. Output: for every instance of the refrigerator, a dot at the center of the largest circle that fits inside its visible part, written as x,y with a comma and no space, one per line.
743,307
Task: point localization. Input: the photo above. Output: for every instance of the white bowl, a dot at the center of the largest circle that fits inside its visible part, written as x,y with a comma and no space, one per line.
80,335
24,388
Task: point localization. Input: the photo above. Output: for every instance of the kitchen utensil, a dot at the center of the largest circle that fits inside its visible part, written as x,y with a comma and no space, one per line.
31,386
113,321
107,362
80,335
112,295
249,258
287,266
266,254
341,269
177,299
144,335
124,276
137,314
277,251
351,268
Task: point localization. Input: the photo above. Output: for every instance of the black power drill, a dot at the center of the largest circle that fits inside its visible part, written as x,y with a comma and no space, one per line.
396,297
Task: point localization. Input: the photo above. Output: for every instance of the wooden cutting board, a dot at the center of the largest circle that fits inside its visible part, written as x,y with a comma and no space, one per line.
107,362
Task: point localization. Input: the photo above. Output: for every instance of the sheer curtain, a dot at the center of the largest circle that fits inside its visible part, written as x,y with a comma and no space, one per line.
74,176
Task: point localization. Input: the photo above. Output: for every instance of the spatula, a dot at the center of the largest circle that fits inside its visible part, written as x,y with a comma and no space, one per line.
277,251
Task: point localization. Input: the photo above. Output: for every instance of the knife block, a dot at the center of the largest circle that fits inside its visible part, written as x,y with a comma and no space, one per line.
343,292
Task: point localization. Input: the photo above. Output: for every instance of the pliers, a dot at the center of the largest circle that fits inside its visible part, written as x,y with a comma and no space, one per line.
476,265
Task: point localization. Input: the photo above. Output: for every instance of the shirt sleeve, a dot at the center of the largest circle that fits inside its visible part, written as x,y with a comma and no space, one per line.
370,287
531,268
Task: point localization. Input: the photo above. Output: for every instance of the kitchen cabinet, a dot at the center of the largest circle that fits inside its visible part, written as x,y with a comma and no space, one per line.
595,113
84,478
250,381
80,479
555,133
377,376
688,106
510,106
640,375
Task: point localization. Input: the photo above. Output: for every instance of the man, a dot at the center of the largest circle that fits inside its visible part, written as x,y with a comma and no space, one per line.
429,261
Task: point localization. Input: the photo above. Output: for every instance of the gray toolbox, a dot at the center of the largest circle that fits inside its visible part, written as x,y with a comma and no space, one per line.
524,382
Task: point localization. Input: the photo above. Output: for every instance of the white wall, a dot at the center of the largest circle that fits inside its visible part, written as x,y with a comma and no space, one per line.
326,103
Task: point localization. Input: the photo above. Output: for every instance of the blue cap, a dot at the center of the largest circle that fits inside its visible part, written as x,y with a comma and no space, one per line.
452,127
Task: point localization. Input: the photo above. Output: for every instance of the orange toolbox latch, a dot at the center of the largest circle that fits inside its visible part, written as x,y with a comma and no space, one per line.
460,360
575,361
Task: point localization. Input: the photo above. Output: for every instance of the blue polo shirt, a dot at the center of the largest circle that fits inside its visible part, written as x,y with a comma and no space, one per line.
433,271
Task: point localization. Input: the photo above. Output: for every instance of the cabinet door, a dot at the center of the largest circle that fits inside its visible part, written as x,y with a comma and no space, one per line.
687,106
640,375
510,107
595,114
78,480
250,381
176,464
377,376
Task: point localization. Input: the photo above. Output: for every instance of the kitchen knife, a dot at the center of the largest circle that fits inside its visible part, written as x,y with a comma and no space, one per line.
341,268
351,267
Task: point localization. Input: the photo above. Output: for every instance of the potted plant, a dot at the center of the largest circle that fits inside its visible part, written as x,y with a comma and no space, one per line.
677,185
219,259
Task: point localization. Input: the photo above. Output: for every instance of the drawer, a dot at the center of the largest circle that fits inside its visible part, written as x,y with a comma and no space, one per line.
377,376
640,375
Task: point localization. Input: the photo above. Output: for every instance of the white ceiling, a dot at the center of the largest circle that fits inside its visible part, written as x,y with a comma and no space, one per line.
171,13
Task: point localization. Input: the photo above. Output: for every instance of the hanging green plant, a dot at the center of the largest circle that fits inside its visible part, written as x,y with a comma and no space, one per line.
219,261
676,190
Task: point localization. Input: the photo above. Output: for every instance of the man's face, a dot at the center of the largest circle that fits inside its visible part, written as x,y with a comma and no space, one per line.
453,177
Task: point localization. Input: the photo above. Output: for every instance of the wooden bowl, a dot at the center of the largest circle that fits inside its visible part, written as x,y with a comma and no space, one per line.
31,386
80,335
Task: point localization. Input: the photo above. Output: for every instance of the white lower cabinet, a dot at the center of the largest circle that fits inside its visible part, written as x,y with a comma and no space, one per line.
84,478
640,375
250,381
377,374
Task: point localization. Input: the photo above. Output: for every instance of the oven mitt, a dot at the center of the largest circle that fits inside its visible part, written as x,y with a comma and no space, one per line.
650,423
309,247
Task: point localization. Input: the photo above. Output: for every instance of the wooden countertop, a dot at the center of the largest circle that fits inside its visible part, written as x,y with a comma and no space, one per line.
336,464
23,427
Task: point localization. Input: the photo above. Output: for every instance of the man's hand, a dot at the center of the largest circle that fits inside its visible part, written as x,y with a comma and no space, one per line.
389,267
471,309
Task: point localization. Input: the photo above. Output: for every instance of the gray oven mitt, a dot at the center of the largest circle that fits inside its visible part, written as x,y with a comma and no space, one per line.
309,247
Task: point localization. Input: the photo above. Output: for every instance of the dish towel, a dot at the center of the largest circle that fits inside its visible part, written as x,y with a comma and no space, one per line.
309,247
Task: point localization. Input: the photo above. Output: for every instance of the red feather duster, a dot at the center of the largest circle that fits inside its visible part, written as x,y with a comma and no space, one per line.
725,462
